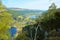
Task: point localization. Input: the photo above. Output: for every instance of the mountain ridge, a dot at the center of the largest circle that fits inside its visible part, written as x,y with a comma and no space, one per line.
20,11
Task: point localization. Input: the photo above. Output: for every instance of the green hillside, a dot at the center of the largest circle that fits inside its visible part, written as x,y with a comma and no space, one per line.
24,12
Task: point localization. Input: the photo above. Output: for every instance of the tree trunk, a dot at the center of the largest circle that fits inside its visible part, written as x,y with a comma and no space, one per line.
36,32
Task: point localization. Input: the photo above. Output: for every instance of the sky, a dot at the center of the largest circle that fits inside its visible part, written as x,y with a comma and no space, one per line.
30,4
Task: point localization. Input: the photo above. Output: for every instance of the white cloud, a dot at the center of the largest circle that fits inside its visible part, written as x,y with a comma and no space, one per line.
31,4
38,4
41,4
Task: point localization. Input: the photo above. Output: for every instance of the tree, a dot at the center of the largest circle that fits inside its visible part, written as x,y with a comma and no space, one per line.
49,15
32,32
51,20
2,7
5,22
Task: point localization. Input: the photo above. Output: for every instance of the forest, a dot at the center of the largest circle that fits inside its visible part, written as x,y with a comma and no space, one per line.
29,24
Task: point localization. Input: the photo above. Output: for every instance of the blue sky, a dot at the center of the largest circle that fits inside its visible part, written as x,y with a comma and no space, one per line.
30,4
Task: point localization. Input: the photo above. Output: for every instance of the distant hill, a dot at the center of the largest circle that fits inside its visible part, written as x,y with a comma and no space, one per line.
19,11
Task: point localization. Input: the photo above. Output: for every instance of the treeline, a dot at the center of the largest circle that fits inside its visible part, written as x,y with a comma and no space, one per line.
46,27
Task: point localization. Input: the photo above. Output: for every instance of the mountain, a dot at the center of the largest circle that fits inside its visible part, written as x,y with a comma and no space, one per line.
20,11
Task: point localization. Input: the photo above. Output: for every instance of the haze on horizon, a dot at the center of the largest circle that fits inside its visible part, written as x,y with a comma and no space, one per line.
30,4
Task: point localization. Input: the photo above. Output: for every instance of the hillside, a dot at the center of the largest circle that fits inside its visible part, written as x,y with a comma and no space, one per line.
19,11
